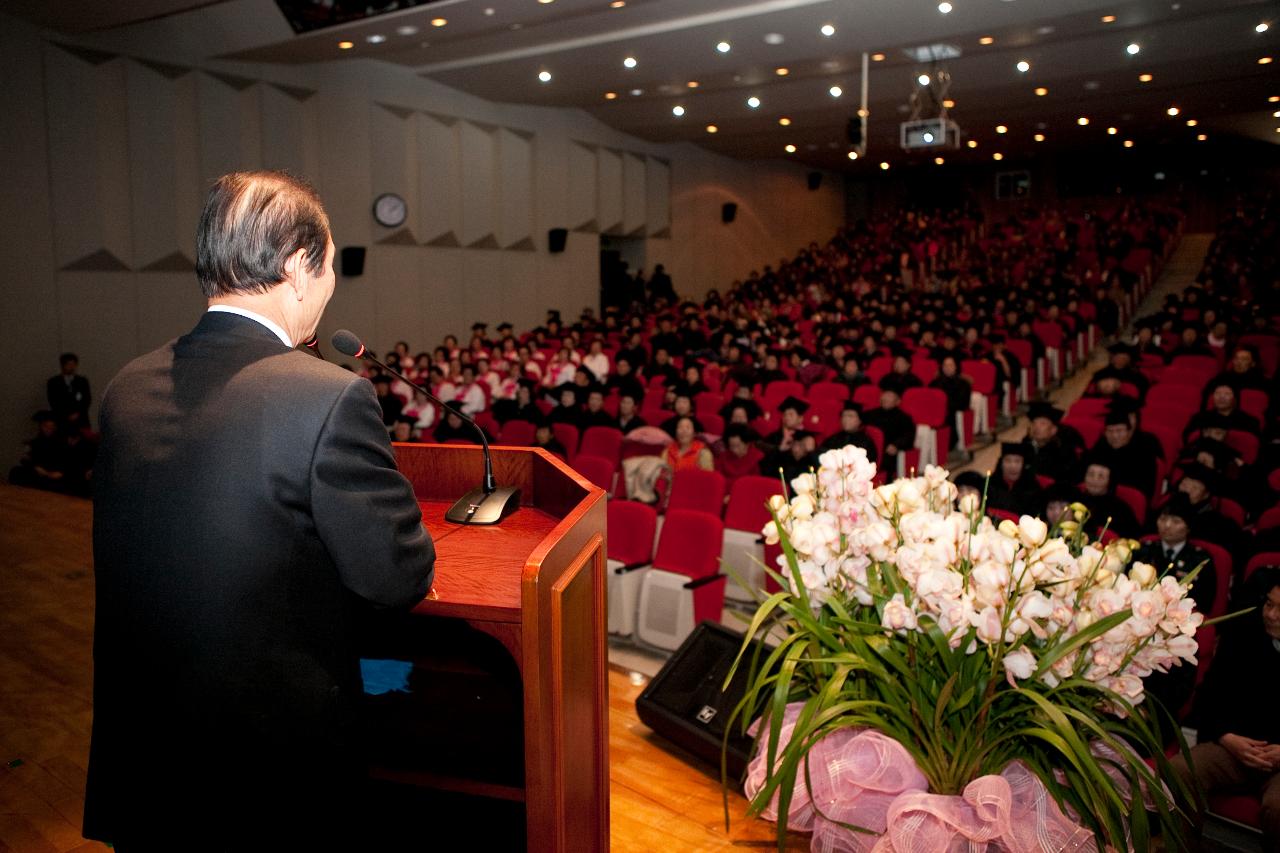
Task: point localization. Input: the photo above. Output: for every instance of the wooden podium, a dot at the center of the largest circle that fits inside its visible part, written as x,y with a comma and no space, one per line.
535,582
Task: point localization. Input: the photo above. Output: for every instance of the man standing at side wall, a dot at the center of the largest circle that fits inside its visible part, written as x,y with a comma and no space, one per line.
247,501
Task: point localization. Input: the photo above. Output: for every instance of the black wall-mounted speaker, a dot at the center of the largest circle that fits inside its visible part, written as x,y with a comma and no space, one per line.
352,263
815,180
556,239
853,130
729,212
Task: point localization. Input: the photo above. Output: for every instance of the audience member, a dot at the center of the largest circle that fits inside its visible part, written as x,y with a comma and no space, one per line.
68,393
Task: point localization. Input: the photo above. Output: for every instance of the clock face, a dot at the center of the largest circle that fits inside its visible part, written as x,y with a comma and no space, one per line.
389,210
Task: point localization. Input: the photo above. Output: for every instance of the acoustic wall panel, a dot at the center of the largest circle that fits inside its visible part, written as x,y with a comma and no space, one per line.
189,185
582,187
633,194
479,158
169,305
393,167
515,190
609,191
163,151
439,180
399,309
88,160
230,138
657,193
289,132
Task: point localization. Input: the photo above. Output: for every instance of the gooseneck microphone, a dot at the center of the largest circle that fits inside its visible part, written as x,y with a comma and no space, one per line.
313,345
488,504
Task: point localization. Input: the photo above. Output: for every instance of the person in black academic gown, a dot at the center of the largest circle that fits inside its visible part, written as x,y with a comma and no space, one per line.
1099,496
1051,451
798,458
1013,488
851,432
1130,465
896,425
792,410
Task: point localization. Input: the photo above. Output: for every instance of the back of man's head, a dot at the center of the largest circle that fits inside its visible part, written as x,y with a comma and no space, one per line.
252,222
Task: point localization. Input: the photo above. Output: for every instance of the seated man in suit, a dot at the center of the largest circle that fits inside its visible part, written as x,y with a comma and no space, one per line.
248,509
851,432
1174,554
896,425
1238,735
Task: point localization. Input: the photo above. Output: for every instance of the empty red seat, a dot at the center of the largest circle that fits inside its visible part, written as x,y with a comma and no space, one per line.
697,490
748,503
707,403
867,396
631,528
604,442
566,434
1222,574
777,391
1257,561
517,433
928,408
690,546
596,469
1135,499
836,391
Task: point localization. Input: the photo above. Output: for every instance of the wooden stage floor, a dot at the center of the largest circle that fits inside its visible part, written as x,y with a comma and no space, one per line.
662,799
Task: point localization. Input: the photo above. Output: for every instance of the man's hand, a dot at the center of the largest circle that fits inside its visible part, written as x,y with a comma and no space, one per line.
890,449
1249,752
1271,752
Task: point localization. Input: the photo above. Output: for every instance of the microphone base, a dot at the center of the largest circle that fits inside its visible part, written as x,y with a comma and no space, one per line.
476,507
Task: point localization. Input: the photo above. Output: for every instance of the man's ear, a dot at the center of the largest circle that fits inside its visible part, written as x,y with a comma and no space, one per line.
295,272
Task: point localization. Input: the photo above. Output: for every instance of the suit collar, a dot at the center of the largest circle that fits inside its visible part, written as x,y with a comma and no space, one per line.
225,324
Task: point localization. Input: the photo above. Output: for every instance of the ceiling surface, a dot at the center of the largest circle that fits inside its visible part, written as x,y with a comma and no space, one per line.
1202,57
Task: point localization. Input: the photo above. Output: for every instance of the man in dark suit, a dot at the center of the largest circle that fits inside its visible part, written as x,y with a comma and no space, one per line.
68,393
247,508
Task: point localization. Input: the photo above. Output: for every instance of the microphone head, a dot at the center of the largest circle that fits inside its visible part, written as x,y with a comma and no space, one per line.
347,343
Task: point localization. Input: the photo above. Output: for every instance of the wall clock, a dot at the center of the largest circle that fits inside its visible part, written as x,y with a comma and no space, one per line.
390,210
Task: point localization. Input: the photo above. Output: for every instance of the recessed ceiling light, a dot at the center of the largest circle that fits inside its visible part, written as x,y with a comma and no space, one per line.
986,40
629,62
1108,19
1111,131
544,76
774,38
923,79
1000,128
724,47
517,25
928,137
938,161
1276,114
617,4
782,72
1201,137
1041,91
863,112
346,45
609,96
877,57
439,22
1265,60
1262,28
1192,122
711,128
1024,66
488,11
784,121
973,143
546,2
693,84
790,149
1039,137
406,30
944,8
997,156
828,30
1133,48
677,111
1082,121
852,155
949,104
637,92
1045,30
753,102
835,91
1128,143
1173,111
1145,78
1274,99
376,38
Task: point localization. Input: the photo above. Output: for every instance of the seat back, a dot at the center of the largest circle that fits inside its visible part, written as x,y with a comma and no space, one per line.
690,543
1222,571
1254,401
1206,365
698,490
867,396
777,391
926,406
602,441
566,434
1135,499
983,374
820,391
517,433
925,369
596,469
707,403
1257,561
748,503
631,526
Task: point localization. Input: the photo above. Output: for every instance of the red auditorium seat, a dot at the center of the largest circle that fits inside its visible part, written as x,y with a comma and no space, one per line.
1257,561
712,424
1167,431
604,442
928,407
823,418
1241,808
1268,347
697,490
744,518
1222,570
983,376
1195,364
1135,499
707,403
1053,337
879,368
1090,429
1032,379
685,586
776,392
1244,443
867,396
596,469
517,433
820,391
631,529
1089,407
1254,402
566,434
1269,519
925,369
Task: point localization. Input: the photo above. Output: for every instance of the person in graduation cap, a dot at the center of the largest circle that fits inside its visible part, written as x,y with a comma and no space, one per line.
505,330
569,408
1105,509
1202,485
851,432
1174,553
1143,442
895,425
1121,366
1053,451
1225,411
742,398
1013,488
1130,465
792,410
798,458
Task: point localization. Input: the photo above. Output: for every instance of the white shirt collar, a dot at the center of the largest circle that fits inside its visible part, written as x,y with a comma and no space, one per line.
257,318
